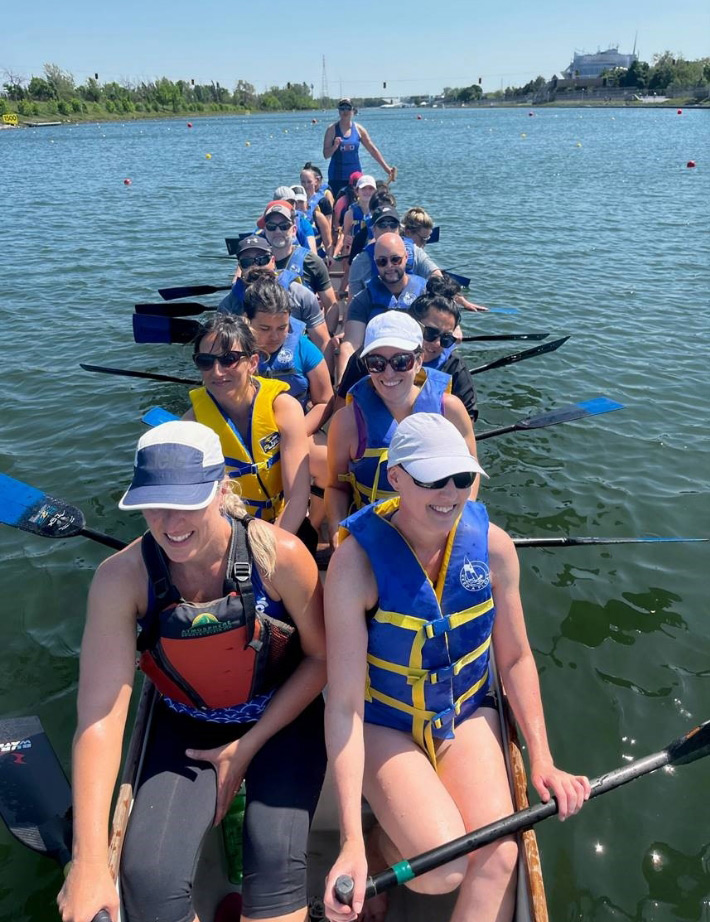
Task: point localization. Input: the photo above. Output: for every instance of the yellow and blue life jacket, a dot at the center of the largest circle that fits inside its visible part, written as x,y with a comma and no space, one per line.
257,464
375,428
428,646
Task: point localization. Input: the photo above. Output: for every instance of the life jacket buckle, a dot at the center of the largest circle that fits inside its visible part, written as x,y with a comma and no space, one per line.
438,627
445,720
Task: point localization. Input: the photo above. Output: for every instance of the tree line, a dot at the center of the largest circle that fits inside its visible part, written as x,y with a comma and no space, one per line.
56,92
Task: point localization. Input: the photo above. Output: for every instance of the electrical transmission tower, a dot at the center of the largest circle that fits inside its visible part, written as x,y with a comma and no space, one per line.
324,94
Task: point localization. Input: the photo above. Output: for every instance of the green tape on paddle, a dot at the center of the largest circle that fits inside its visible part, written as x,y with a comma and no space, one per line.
403,872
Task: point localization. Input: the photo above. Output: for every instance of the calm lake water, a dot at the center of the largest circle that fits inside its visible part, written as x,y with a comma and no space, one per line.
589,223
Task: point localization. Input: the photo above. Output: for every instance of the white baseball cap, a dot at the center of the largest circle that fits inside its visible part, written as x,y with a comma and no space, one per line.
366,180
299,193
178,465
430,448
394,328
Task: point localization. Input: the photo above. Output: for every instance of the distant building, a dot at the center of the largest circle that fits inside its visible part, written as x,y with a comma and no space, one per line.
591,65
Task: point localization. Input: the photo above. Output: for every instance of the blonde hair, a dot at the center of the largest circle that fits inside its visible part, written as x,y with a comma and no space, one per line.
262,539
417,219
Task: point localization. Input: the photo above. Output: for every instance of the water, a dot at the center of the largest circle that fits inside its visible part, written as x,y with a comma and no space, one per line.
607,240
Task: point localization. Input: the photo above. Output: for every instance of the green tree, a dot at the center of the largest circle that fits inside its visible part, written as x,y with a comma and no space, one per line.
636,75
61,81
40,89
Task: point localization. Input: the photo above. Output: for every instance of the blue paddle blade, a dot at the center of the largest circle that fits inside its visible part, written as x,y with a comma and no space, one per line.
28,508
156,416
598,405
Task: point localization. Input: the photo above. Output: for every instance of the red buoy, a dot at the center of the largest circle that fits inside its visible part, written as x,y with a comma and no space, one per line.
690,164
419,118
314,121
189,124
127,182
680,111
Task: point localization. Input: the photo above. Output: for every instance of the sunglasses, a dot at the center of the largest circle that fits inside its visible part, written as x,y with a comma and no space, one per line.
263,259
205,360
401,361
382,261
345,108
462,481
431,334
388,224
270,226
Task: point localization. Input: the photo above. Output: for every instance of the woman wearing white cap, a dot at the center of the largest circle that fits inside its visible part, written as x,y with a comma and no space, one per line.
203,581
356,215
395,387
413,599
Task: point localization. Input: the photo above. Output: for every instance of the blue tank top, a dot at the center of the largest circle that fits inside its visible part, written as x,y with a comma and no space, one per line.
346,159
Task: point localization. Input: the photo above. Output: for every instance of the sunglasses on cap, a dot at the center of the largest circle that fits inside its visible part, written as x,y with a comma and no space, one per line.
282,225
263,259
462,481
401,361
382,261
205,360
431,334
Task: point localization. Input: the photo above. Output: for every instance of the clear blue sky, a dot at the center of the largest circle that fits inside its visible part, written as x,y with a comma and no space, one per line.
416,46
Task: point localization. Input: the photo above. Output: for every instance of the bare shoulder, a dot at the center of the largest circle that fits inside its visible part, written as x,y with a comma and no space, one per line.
502,553
291,554
121,581
455,411
350,572
287,409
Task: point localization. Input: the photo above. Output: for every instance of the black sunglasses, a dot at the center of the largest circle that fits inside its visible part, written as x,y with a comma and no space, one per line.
401,361
382,261
462,481
205,360
270,226
431,334
345,108
388,224
263,259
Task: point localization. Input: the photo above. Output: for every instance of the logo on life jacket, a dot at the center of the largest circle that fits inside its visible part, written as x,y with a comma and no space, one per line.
475,575
286,357
269,442
204,624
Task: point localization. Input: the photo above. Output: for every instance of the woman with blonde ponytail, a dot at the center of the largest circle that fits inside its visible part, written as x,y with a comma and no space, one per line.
230,618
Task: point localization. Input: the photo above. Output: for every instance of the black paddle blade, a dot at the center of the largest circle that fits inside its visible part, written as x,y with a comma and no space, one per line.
190,291
28,508
521,356
148,328
184,309
35,797
694,745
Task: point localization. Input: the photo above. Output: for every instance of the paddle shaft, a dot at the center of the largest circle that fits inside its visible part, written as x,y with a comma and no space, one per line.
679,751
130,373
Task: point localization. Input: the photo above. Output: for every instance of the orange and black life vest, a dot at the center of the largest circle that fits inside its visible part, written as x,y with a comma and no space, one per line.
216,654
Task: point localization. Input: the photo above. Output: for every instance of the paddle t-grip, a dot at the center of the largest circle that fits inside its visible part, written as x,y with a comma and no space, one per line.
102,916
344,888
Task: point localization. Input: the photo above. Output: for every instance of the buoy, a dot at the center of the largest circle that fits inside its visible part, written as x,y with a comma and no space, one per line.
208,156
419,118
680,112
531,114
189,124
578,144
314,121
126,182
690,164
523,135
247,144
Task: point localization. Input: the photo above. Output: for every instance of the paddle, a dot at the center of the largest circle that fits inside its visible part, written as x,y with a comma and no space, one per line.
30,509
461,279
189,291
129,373
156,416
35,797
435,235
520,356
149,328
184,309
594,407
504,337
682,751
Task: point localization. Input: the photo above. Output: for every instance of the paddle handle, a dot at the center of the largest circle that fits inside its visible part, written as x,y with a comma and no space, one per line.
344,888
102,916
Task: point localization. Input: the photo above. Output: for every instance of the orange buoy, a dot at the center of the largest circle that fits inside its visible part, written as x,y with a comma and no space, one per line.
189,124
127,182
680,112
690,164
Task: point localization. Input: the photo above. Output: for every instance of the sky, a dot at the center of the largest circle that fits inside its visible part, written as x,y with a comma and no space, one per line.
397,42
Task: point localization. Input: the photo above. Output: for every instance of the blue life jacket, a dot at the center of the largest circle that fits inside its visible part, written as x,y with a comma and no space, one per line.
408,246
346,159
293,270
375,428
383,300
428,648
234,302
359,219
281,365
313,203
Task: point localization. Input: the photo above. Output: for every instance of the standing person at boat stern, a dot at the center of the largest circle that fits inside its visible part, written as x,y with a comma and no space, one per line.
414,599
204,582
341,145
